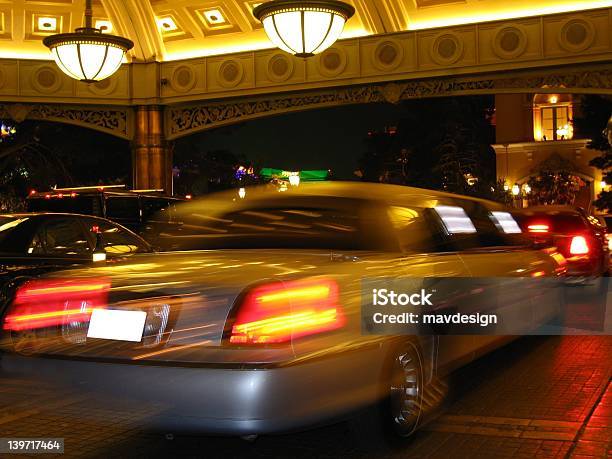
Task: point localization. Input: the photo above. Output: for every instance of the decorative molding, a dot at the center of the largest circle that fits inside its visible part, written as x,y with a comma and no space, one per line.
280,67
577,34
46,79
505,46
230,73
183,78
447,48
510,42
388,55
187,119
115,121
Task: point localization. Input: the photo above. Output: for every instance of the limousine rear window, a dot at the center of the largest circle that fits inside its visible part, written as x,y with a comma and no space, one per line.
455,220
505,222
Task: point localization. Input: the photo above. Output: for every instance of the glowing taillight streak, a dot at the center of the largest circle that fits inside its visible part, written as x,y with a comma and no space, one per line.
278,312
263,331
311,293
47,315
56,290
538,228
42,303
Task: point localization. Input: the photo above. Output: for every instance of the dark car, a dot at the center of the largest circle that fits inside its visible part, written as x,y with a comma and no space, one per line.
35,243
134,209
580,237
607,220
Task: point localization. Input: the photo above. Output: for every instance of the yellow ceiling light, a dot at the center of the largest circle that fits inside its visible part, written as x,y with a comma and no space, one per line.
47,24
214,17
87,54
303,28
166,24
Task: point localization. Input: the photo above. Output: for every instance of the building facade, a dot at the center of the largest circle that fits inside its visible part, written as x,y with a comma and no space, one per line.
536,141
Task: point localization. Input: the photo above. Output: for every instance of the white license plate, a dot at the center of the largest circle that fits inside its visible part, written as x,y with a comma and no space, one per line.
117,324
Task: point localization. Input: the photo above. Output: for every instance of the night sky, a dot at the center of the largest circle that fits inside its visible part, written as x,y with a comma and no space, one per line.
329,138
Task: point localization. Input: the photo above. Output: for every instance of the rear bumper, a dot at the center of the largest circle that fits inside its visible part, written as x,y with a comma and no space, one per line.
221,400
588,268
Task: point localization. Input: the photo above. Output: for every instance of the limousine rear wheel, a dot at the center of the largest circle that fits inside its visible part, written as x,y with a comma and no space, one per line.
406,389
386,424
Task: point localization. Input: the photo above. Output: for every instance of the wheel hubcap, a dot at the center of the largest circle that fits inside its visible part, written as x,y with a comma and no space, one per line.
406,392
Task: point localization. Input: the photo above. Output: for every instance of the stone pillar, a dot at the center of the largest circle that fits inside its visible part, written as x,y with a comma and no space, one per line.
151,158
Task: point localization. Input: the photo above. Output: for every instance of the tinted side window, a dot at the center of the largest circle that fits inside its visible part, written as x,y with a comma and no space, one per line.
306,223
10,227
116,240
411,228
60,237
122,208
156,209
494,228
451,227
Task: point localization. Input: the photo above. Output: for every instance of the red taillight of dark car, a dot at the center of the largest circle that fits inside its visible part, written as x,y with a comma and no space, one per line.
45,303
579,246
280,311
538,228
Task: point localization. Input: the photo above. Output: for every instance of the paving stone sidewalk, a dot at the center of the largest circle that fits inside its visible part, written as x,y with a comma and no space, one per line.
536,397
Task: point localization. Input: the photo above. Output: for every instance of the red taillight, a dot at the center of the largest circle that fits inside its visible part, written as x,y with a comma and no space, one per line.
540,228
579,246
275,313
46,303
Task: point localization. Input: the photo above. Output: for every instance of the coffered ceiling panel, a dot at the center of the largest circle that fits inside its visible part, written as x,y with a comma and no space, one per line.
166,30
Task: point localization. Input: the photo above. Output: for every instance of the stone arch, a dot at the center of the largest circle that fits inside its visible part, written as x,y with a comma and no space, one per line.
116,121
185,119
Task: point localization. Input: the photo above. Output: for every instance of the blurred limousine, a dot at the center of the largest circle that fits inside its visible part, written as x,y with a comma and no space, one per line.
252,323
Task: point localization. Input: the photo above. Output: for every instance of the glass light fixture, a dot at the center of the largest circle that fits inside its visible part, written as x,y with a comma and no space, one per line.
303,28
87,54
516,190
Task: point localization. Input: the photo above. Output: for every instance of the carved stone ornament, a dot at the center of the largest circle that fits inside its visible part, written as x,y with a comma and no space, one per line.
183,120
112,120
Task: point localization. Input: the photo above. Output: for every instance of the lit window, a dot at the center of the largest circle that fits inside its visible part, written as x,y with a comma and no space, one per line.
505,222
552,117
455,219
555,123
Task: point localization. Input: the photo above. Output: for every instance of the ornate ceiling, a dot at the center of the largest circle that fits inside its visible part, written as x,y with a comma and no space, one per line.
165,30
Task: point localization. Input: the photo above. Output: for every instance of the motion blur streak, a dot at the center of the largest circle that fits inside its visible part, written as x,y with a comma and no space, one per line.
59,289
35,318
171,349
46,303
272,330
274,313
310,293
